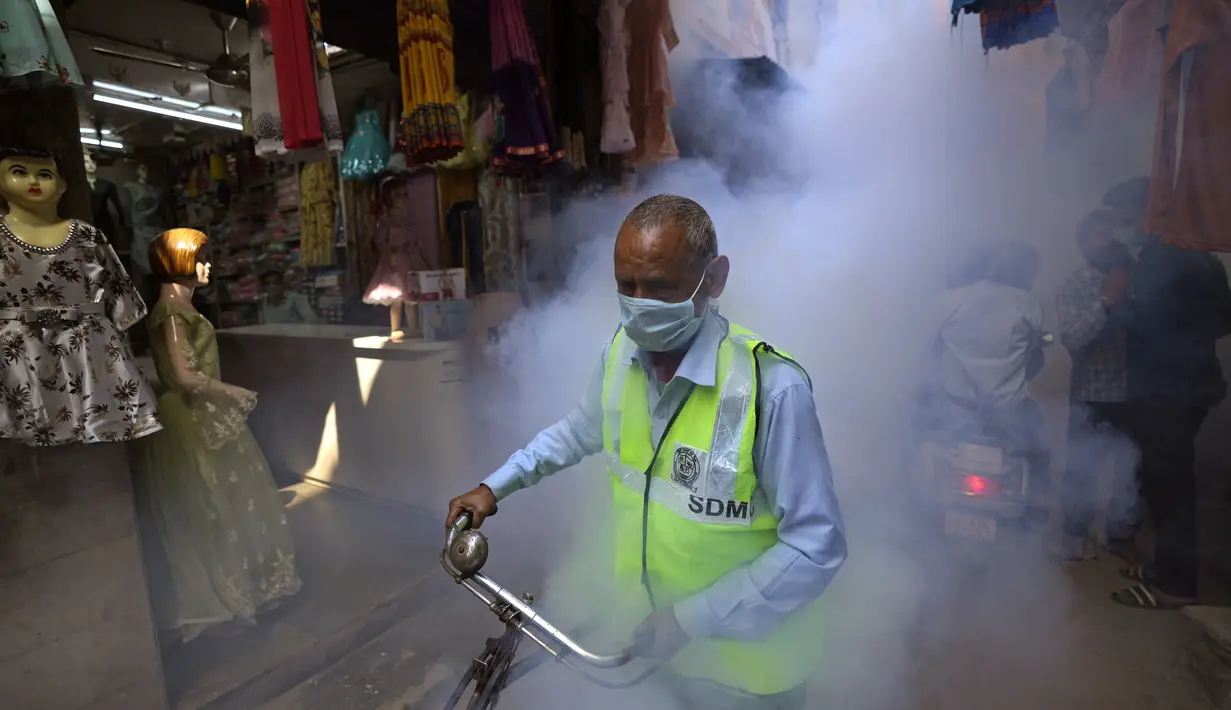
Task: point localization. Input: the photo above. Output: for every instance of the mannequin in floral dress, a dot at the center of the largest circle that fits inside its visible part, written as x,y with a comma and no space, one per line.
66,372
218,547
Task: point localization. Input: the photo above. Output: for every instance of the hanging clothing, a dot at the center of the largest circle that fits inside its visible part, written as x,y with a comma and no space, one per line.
360,223
1068,98
105,197
296,73
33,48
318,190
75,380
1190,188
527,136
617,136
218,544
145,214
431,126
502,234
367,152
266,86
408,238
478,148
652,36
1008,23
465,225
1132,67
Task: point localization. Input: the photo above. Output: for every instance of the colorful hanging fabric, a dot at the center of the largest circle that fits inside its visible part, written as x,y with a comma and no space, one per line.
317,199
33,49
296,71
525,135
367,152
431,127
268,25
1008,23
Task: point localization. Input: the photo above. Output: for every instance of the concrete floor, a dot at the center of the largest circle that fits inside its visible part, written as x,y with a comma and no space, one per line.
1094,655
380,627
357,561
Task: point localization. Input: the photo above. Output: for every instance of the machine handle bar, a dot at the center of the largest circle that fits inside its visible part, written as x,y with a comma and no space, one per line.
513,609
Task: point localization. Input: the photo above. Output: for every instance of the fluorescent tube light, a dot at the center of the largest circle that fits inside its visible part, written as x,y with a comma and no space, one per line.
121,89
104,144
233,113
182,115
90,131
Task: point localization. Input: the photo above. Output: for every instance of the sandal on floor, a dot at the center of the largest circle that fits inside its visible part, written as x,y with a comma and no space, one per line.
1137,573
1145,596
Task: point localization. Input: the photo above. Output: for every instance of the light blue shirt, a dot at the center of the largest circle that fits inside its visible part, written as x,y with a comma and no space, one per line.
792,471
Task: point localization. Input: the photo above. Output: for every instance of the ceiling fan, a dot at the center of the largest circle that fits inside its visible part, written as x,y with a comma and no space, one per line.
226,70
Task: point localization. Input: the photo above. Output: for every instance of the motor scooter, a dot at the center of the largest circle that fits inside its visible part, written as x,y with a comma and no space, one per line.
973,475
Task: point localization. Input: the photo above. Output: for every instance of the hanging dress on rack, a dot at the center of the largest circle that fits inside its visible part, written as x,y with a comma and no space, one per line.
33,49
145,216
318,189
528,137
296,72
431,127
268,32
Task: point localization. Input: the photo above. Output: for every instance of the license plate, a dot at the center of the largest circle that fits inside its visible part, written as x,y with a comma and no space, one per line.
971,527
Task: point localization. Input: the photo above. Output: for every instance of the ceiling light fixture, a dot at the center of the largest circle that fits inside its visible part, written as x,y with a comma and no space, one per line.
121,89
104,144
182,115
86,130
222,110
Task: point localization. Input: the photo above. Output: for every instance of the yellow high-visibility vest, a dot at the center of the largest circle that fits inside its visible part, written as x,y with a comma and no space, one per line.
705,514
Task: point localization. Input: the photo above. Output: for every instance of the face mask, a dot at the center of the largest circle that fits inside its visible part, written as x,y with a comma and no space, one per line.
658,326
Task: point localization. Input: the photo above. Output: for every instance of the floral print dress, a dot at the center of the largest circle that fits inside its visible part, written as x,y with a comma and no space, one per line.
33,49
218,547
74,382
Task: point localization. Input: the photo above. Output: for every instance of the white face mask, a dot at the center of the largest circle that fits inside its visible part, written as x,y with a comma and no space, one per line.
658,326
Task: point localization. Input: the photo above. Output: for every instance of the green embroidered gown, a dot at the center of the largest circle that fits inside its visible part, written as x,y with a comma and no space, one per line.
217,543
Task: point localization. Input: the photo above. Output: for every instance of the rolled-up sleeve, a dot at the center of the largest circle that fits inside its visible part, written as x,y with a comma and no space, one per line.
563,444
793,470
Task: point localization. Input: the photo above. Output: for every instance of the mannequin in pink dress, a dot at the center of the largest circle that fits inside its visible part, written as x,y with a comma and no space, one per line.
407,237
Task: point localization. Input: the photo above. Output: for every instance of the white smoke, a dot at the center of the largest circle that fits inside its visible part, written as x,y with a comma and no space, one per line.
913,146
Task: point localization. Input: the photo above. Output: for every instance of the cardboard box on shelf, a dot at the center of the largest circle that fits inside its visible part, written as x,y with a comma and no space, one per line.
441,285
445,320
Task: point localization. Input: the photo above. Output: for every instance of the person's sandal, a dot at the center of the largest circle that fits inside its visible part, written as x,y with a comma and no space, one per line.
1137,573
1148,597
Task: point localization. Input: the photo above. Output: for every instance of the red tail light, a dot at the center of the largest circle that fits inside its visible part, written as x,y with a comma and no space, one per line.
980,486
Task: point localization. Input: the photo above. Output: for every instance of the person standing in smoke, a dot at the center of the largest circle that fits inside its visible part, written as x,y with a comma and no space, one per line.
1099,412
726,523
1177,307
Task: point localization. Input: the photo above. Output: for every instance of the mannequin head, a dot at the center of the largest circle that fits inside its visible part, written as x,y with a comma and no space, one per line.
143,173
91,167
31,180
175,257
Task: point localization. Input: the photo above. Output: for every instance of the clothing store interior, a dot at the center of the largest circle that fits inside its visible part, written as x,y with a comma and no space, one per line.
340,204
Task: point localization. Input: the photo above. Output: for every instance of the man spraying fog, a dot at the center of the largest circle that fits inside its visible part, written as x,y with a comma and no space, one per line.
726,524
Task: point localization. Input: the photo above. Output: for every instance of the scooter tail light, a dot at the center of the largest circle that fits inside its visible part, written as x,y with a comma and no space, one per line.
980,486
